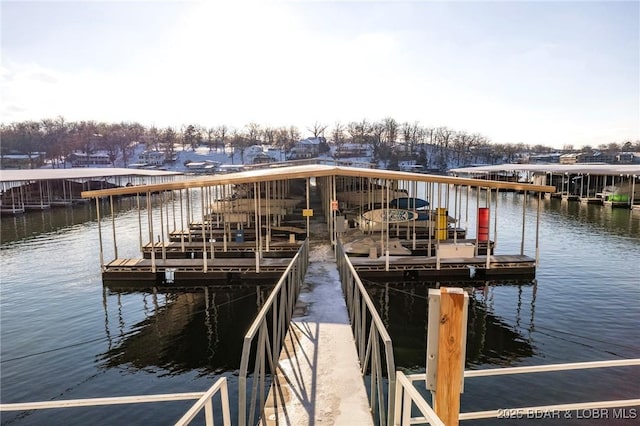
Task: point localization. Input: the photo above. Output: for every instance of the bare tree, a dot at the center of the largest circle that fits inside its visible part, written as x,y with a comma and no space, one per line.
378,142
56,139
191,136
221,135
443,137
154,137
613,147
269,134
282,140
211,132
359,131
169,139
253,134
132,133
294,137
317,129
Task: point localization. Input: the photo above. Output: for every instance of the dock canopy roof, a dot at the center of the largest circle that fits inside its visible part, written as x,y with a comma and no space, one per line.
573,169
309,171
25,175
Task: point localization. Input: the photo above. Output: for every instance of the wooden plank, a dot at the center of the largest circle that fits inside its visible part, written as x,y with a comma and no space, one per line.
449,372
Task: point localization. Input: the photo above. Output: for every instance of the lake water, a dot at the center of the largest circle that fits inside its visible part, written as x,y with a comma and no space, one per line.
63,336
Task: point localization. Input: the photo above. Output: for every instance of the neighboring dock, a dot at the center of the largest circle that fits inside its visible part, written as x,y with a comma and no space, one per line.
611,185
41,189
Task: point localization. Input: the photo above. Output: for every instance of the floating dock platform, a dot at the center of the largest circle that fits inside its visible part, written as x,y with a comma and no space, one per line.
201,249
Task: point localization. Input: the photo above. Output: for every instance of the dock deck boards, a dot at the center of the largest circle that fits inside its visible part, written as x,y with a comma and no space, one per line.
417,266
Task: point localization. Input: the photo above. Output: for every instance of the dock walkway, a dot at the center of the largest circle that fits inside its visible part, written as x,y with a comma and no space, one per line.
319,379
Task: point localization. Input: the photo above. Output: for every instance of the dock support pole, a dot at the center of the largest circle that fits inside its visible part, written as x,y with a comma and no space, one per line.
495,221
204,236
488,265
633,190
181,225
113,227
99,233
538,233
307,208
446,348
524,217
139,223
150,221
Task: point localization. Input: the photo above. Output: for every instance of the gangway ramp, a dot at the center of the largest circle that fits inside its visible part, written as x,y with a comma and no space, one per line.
318,379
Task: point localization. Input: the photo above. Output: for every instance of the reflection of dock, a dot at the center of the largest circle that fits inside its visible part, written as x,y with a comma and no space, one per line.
182,331
491,339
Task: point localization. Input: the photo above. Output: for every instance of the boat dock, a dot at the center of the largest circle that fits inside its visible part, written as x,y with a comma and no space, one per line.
42,189
187,241
318,351
611,185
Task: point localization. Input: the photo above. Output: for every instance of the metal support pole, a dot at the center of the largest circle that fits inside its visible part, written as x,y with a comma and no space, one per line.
308,207
150,220
113,227
488,265
495,221
162,247
139,221
99,233
203,233
524,211
633,190
538,233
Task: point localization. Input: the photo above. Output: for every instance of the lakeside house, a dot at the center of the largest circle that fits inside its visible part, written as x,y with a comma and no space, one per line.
350,150
152,157
22,161
305,148
86,159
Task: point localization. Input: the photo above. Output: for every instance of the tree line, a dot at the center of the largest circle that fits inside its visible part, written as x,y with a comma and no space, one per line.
390,141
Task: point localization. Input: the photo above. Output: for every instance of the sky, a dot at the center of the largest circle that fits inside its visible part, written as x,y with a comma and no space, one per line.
551,73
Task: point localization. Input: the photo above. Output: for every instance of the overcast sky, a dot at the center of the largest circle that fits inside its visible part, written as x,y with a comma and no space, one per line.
554,73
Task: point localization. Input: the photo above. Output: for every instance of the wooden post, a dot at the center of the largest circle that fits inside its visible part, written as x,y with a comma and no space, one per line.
450,350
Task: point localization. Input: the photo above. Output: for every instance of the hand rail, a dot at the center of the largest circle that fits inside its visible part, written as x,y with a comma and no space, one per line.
369,331
405,383
206,402
95,402
280,303
406,395
204,399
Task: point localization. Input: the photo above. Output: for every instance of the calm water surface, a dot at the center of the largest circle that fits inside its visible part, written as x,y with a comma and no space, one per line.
64,337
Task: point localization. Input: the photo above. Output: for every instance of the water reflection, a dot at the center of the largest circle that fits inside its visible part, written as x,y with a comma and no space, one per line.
491,339
201,329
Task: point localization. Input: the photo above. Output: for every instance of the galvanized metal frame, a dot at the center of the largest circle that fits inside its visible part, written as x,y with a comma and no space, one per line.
369,332
407,393
280,304
204,400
